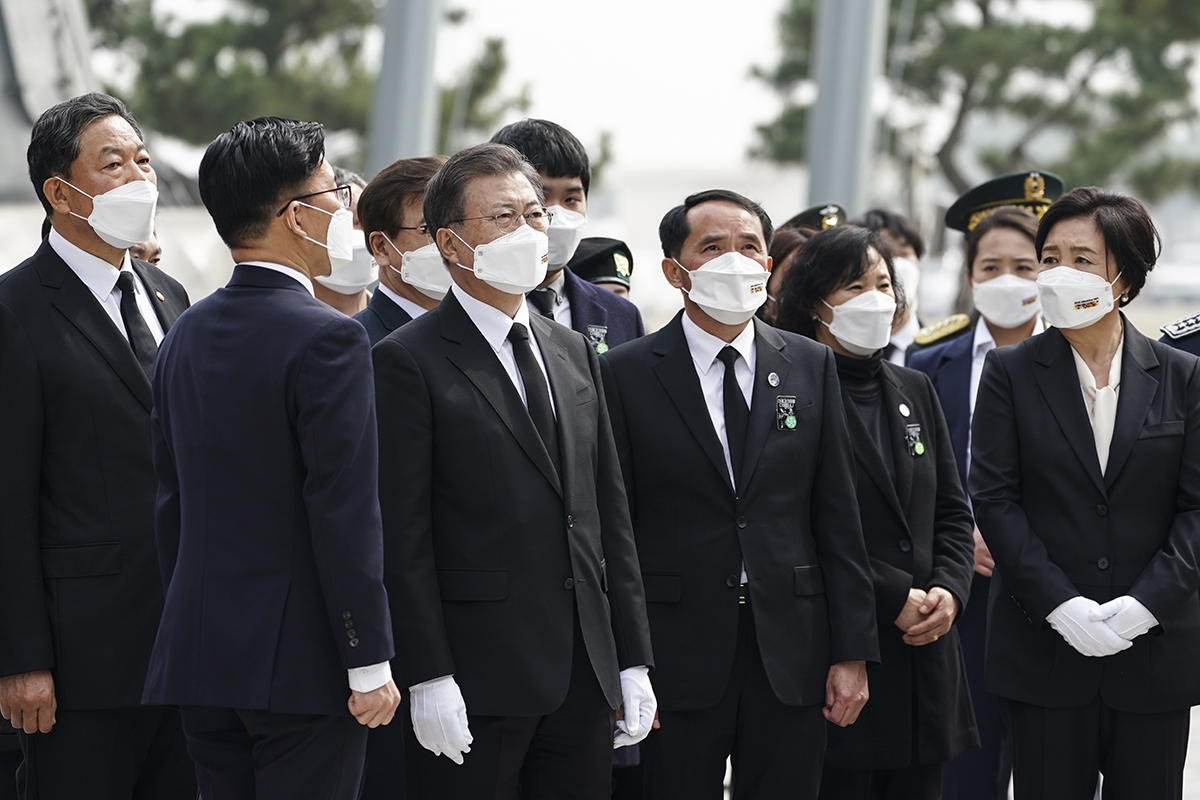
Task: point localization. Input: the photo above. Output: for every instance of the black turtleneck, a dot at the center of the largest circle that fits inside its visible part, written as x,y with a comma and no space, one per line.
861,386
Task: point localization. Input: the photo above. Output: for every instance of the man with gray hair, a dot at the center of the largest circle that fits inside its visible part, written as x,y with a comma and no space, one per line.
520,622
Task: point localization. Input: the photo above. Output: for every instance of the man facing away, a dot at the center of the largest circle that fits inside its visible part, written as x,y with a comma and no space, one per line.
275,637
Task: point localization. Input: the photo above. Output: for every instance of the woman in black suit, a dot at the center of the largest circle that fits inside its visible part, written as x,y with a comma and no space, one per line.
1085,477
916,524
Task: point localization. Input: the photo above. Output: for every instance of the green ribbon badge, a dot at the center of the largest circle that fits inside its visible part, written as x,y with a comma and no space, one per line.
919,448
790,422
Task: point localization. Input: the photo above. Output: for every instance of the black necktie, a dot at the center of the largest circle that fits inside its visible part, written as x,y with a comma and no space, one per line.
140,338
544,301
537,394
737,415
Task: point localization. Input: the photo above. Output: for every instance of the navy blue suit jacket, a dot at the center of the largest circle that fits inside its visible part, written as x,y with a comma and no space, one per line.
270,542
1188,344
948,365
600,308
381,316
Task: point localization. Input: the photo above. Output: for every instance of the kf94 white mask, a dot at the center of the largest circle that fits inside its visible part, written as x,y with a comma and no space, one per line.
1072,298
123,216
1007,300
729,288
515,263
423,270
863,324
566,231
355,275
908,275
339,241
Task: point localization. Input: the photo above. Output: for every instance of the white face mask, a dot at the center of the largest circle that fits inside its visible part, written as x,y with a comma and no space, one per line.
1072,298
339,241
423,270
515,263
863,324
729,288
566,231
1007,300
123,216
355,275
908,275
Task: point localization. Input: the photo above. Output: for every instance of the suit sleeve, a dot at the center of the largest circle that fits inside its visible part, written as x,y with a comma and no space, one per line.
166,506
626,596
1173,574
25,639
838,534
406,486
1037,583
953,526
335,426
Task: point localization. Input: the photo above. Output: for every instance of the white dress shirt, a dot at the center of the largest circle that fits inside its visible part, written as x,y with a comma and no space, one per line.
100,278
1101,404
562,306
362,679
406,305
494,324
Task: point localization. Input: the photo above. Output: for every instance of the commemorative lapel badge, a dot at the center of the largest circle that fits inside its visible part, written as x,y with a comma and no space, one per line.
160,297
785,412
912,437
773,379
904,412
598,336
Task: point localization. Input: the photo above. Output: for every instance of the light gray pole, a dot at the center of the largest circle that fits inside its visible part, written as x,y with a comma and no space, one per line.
849,40
403,114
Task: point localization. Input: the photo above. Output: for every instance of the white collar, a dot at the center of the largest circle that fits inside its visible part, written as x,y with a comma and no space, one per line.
704,347
1087,381
406,305
99,276
493,323
294,274
984,339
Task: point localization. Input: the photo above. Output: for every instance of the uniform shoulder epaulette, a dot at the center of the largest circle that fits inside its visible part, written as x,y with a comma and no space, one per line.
940,330
1184,326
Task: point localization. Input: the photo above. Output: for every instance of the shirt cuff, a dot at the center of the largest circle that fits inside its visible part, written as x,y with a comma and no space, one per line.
368,679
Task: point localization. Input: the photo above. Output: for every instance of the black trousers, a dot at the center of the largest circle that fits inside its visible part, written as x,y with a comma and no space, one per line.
258,755
383,774
565,755
777,750
918,782
124,754
10,760
1058,752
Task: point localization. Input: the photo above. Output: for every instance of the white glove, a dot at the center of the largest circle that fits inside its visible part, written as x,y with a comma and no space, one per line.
638,705
439,718
1073,620
1126,616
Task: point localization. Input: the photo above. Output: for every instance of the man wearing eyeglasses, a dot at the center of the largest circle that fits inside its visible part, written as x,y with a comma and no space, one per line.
275,636
509,557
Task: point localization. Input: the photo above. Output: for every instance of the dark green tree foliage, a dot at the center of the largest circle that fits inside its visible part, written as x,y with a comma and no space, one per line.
1114,89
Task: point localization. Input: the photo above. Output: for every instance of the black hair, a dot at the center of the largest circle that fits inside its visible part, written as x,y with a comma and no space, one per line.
54,141
381,206
446,192
898,227
1011,217
1125,224
252,169
828,261
675,228
552,149
344,177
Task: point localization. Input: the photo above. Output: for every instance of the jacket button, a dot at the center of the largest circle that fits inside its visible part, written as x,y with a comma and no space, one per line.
354,642
345,615
741,522
733,581
570,521
905,545
569,583
349,623
1102,509
1102,563
351,633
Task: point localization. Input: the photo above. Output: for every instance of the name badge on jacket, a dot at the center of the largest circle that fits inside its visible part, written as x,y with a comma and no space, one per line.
912,437
785,412
598,336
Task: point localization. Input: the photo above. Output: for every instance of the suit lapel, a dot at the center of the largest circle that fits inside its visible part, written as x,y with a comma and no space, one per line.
584,310
389,313
677,373
166,305
769,359
1137,391
868,456
897,423
77,303
476,359
1054,370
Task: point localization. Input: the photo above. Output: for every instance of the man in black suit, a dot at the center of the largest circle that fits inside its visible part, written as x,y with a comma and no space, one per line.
562,163
741,489
80,323
510,563
275,635
412,278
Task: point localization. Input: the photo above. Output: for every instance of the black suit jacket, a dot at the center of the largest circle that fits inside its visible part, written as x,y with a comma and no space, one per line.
267,519
794,521
381,316
1057,527
78,568
489,551
919,534
601,316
